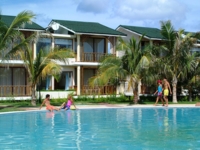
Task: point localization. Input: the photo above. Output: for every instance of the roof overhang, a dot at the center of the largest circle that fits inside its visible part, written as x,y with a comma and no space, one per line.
73,62
81,33
196,45
87,63
58,35
30,30
11,62
97,34
139,34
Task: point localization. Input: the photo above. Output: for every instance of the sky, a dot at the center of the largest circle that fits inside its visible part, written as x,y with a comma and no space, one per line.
184,14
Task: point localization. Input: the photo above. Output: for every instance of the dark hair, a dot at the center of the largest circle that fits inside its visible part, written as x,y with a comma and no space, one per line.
47,95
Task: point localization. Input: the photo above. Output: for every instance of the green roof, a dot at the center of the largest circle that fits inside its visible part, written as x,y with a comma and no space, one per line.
8,20
192,33
148,32
88,27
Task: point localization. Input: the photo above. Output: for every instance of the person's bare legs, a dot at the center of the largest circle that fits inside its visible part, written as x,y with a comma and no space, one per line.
62,106
156,101
166,100
57,109
162,101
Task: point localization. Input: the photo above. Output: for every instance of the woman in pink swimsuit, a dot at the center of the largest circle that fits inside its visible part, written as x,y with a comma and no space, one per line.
67,105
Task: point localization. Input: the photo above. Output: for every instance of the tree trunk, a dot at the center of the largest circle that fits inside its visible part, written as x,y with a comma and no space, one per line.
33,97
174,93
135,92
190,93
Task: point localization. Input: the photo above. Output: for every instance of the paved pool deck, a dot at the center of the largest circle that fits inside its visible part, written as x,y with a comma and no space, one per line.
105,105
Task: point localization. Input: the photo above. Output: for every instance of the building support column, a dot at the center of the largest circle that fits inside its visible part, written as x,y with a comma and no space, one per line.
78,48
34,50
151,43
139,87
118,89
52,83
114,47
52,78
34,56
107,42
78,80
73,45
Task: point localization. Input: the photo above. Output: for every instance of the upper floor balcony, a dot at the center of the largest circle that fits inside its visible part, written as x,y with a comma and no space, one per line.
10,58
14,56
93,57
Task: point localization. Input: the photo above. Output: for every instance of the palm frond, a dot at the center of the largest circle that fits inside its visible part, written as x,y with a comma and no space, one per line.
60,55
22,18
167,30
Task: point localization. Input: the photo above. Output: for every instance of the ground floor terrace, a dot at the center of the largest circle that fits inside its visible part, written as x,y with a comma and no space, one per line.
14,82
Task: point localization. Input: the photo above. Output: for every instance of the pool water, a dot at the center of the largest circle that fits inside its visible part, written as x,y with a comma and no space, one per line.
109,129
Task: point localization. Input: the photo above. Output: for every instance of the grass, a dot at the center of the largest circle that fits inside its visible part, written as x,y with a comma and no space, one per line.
6,106
8,109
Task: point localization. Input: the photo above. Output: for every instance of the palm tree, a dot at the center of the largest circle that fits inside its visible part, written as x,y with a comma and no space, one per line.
11,39
178,59
130,67
43,65
191,81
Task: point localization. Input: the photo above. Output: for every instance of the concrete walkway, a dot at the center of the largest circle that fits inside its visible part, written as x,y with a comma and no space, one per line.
105,105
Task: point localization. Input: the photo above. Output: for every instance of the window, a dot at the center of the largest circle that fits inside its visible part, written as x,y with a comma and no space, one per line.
19,76
88,73
65,82
94,45
12,81
144,44
5,76
63,43
12,76
195,49
44,44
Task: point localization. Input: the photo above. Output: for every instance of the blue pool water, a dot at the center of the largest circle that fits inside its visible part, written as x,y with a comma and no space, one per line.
111,129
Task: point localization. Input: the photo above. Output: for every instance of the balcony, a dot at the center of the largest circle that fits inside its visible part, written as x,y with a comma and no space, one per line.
15,90
14,57
93,57
98,90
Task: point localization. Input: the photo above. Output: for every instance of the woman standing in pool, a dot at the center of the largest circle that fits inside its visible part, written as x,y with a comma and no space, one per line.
159,93
66,105
47,104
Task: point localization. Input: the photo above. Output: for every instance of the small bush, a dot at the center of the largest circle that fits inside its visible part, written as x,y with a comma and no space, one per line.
148,98
182,98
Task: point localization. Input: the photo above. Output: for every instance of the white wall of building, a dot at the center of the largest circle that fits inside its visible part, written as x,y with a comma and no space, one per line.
126,38
55,94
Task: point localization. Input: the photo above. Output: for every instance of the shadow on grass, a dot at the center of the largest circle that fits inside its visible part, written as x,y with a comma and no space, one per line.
6,106
10,108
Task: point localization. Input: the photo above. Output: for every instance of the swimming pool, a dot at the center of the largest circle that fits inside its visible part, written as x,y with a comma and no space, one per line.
116,128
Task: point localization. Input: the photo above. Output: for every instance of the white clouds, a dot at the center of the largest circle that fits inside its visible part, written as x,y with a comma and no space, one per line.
93,6
149,10
182,13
